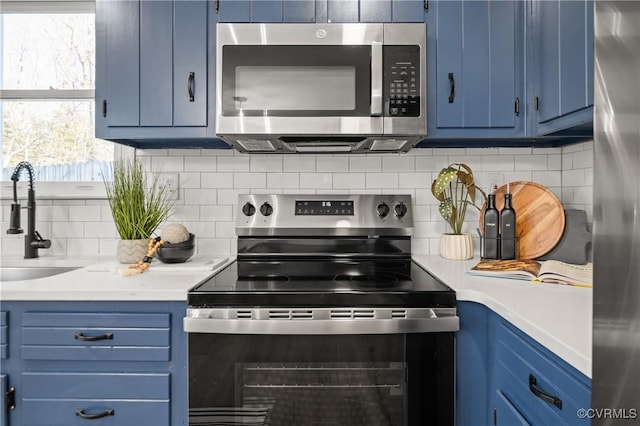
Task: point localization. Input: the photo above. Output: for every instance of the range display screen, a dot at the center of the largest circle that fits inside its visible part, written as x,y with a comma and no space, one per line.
324,208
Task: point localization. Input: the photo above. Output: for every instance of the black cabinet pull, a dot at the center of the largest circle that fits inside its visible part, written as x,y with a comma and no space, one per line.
517,107
82,337
452,90
10,398
190,81
540,394
105,413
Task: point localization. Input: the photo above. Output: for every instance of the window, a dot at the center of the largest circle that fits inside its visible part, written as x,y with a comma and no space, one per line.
47,93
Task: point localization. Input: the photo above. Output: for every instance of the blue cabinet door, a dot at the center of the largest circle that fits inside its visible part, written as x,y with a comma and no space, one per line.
119,23
408,10
472,364
156,59
562,66
506,414
190,74
475,69
265,11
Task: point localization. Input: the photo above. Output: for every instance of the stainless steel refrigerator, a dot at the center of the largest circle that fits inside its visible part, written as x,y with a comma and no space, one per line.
616,241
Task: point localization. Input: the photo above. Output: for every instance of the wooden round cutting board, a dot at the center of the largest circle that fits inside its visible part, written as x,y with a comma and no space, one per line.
539,217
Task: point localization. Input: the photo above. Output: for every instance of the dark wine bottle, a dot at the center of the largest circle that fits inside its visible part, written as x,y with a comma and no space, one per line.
507,229
491,229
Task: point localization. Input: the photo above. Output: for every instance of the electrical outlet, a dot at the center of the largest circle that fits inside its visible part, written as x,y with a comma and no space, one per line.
170,181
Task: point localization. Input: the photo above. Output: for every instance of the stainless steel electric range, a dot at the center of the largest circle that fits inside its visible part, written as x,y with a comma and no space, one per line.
323,319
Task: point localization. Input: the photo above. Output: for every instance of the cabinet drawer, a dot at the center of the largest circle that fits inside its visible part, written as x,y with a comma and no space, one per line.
4,335
125,413
96,336
54,399
518,360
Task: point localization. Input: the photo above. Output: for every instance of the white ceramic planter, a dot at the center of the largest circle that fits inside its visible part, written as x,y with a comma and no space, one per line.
456,246
131,251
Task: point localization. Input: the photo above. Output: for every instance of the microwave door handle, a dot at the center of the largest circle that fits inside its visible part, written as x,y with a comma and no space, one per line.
376,79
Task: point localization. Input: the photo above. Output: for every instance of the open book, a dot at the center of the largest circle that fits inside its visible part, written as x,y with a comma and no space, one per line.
548,271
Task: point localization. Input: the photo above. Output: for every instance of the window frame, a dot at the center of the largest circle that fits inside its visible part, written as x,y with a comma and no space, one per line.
55,190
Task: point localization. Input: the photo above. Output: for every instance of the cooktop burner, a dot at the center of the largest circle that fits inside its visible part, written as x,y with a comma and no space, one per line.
367,282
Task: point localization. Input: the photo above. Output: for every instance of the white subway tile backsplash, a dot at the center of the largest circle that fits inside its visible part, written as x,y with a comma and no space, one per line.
211,180
414,180
234,163
316,180
432,163
349,180
266,163
283,180
201,164
216,180
299,163
398,163
365,163
249,180
84,213
381,180
332,164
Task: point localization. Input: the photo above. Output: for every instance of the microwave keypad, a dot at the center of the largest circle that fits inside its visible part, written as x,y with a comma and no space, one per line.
402,81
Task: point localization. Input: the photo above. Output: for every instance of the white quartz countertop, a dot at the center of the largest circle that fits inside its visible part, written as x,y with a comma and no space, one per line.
559,317
100,279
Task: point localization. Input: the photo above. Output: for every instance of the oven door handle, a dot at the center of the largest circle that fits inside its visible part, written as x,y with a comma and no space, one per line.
316,327
376,79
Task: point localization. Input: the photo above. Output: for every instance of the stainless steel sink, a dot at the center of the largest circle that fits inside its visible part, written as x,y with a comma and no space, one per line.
31,272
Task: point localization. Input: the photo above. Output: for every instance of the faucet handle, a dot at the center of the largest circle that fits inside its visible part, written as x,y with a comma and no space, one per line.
41,242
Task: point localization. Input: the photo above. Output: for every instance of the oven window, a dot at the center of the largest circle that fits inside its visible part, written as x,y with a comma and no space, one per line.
297,380
337,380
296,81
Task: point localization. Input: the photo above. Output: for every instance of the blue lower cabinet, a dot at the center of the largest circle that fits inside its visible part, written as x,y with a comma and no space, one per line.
103,363
471,362
64,399
540,387
509,415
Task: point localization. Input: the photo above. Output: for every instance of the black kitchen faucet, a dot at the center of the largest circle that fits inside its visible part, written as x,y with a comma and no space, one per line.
33,240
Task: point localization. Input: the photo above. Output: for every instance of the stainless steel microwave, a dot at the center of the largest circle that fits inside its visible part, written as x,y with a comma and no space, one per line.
295,88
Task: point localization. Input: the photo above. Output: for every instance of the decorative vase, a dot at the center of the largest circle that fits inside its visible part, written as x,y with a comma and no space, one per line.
456,246
132,251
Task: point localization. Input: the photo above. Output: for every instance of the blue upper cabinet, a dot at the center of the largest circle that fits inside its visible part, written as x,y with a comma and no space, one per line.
264,11
475,69
317,11
561,65
152,65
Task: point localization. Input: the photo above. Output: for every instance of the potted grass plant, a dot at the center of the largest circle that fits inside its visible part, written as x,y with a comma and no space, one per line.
139,204
455,188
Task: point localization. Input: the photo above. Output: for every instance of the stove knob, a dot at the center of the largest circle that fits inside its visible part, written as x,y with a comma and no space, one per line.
266,209
382,209
248,209
400,209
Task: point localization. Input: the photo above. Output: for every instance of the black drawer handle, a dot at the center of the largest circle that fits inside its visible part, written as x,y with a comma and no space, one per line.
82,337
452,88
540,394
190,88
105,413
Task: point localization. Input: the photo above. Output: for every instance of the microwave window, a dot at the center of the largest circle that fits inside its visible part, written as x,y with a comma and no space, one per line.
300,88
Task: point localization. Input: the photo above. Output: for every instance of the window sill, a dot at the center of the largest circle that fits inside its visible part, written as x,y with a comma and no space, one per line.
56,190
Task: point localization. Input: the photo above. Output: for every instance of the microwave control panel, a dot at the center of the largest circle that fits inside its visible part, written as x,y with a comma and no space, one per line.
401,81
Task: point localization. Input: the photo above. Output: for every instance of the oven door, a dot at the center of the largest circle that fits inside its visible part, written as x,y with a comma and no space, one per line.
298,79
348,377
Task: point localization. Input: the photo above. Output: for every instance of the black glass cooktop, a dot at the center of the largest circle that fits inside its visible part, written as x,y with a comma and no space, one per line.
317,283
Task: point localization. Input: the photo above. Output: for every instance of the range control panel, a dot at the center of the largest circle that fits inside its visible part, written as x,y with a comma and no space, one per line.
288,214
401,81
